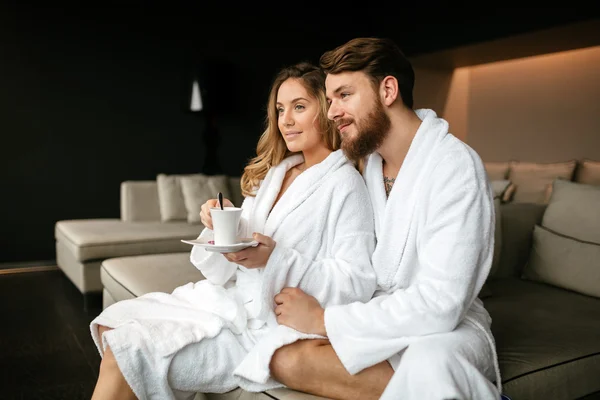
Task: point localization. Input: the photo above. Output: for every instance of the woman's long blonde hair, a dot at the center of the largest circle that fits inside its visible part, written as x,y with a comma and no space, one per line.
271,148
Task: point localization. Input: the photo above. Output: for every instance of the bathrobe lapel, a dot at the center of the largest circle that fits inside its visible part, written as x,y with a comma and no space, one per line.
393,218
300,190
267,193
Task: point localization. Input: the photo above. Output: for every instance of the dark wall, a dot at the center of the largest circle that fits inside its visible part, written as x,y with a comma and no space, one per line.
89,99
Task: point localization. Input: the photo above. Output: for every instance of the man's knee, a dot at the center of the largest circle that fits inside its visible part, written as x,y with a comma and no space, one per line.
285,361
288,362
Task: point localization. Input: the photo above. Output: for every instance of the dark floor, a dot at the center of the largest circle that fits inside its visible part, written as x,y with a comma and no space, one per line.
46,351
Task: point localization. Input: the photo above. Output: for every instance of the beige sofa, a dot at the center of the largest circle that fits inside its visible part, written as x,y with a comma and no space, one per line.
82,244
546,325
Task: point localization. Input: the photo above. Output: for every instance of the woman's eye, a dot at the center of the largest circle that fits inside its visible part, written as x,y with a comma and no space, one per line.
344,95
299,107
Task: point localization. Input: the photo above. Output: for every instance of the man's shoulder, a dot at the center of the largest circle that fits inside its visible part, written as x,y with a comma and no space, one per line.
456,153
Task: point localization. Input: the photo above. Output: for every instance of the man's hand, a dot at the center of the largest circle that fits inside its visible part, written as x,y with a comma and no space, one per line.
253,257
300,311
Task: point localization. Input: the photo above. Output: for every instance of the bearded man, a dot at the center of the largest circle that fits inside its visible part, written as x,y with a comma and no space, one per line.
425,334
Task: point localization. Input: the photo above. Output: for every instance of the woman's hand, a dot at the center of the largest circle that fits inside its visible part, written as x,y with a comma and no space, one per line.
205,217
253,257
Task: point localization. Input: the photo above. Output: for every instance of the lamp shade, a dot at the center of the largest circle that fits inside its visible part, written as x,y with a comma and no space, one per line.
196,97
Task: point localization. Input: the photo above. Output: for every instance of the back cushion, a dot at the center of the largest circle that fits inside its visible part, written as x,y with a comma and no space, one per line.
179,203
564,262
533,181
566,246
574,211
197,189
170,198
139,201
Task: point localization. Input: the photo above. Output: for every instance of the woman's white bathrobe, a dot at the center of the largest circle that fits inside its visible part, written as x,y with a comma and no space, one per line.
435,240
220,333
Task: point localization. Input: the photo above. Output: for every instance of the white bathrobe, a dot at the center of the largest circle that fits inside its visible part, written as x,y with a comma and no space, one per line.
435,240
220,333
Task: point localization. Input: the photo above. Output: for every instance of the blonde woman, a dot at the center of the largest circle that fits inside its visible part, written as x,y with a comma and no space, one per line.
308,207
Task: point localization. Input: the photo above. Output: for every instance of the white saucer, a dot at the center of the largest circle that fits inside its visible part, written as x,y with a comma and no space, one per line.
225,248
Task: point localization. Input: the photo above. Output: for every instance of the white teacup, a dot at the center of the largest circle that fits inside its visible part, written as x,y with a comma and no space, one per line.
225,224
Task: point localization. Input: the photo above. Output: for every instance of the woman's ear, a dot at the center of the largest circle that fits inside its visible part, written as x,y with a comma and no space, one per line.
389,90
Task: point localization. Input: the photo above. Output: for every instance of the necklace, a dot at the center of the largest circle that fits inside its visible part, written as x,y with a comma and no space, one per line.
388,183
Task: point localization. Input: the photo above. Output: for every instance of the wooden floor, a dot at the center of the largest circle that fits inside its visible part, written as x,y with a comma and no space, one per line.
46,351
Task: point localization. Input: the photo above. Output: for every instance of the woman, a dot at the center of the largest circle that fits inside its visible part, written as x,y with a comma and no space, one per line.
307,206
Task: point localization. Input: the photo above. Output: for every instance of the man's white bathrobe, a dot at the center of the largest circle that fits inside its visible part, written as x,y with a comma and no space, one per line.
435,240
220,333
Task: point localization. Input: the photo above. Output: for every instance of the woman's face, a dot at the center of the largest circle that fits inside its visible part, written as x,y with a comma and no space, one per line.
297,117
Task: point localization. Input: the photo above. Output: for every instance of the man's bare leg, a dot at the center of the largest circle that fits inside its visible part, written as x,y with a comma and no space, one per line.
312,366
111,383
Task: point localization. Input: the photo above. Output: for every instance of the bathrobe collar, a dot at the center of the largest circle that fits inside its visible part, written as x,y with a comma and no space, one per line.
398,208
266,218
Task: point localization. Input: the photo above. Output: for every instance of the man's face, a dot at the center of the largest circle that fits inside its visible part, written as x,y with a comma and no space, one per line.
358,113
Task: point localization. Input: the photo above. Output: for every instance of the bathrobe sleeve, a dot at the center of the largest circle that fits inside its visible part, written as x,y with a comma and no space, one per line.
347,273
214,266
453,256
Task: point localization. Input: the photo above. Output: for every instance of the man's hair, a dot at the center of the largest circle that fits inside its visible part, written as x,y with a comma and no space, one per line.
377,58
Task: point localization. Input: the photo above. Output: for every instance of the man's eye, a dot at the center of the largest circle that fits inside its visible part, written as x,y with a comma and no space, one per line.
343,95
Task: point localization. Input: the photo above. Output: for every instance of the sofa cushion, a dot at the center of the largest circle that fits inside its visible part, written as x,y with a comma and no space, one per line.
133,276
97,239
170,198
588,171
574,211
566,249
197,189
139,201
547,340
564,262
533,181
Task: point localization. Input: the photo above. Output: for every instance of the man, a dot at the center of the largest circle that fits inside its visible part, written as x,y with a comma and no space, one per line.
425,334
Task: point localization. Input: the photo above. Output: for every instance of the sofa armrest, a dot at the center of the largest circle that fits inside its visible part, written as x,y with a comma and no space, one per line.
139,201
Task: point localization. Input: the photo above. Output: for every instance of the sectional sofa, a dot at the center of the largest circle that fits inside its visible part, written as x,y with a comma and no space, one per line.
543,292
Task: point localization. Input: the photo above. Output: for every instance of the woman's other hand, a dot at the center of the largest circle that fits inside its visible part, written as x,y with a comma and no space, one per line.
253,257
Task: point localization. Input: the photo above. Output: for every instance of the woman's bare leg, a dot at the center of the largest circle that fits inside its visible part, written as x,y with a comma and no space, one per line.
312,366
111,384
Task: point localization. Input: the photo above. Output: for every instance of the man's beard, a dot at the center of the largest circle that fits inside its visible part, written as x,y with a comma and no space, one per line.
370,134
